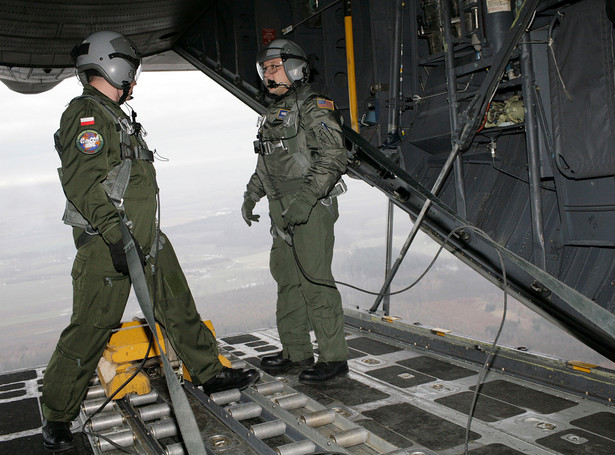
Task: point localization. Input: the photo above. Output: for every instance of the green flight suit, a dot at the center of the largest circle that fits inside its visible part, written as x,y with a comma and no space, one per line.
91,148
303,154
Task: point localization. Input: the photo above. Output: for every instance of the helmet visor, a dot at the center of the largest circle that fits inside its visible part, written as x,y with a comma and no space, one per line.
138,72
260,70
272,68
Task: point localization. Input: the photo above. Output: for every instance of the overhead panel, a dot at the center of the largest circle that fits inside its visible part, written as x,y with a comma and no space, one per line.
36,37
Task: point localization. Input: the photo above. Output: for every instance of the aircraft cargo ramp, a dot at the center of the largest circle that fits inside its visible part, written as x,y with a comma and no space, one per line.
428,74
409,391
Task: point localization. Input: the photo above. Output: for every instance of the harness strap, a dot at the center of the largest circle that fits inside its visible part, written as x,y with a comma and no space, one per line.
302,159
85,238
153,251
116,183
115,186
286,187
181,408
126,130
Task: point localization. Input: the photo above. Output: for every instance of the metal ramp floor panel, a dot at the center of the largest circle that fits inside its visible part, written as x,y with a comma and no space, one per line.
419,401
398,398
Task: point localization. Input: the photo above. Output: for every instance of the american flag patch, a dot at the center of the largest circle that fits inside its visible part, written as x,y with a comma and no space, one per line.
324,103
85,121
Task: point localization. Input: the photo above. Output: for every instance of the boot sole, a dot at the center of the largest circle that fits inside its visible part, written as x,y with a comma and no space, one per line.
288,366
281,368
240,386
61,448
321,381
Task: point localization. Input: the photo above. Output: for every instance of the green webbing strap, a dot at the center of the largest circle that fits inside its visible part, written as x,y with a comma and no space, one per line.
301,160
115,186
185,417
117,181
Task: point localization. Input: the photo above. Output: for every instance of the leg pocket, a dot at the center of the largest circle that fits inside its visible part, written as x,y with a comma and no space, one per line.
98,300
113,296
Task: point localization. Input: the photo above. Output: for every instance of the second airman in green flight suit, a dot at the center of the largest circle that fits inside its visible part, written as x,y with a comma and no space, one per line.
300,163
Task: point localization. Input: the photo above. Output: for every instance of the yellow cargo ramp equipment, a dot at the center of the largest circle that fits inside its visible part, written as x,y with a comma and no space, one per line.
126,348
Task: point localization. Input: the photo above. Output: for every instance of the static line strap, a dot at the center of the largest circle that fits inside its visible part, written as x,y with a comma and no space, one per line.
183,412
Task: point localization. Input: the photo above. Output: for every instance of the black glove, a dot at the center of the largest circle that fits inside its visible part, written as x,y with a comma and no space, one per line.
246,211
118,255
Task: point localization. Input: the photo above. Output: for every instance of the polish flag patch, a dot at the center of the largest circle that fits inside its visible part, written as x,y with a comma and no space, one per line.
85,121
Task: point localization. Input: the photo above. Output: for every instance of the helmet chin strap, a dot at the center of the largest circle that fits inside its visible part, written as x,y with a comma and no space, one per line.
273,84
125,93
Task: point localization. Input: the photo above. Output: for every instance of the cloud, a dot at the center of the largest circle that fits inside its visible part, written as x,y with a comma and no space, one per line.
189,119
27,180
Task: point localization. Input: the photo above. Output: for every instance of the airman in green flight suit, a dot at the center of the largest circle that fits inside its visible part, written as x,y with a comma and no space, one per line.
300,163
107,169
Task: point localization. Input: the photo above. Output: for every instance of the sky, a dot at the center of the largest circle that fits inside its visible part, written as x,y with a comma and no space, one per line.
205,134
176,113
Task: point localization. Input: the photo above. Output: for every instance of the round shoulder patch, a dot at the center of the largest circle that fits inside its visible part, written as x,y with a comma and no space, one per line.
90,142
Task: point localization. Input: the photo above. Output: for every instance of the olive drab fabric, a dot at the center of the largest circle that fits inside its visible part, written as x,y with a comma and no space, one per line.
302,156
90,143
85,168
307,126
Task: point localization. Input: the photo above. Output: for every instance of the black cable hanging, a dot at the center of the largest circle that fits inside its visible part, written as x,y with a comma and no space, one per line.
84,428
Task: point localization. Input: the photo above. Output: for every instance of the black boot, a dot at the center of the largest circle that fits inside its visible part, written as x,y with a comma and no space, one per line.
57,436
279,362
229,378
323,371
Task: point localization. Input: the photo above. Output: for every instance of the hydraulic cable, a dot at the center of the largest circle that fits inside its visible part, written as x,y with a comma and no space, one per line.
84,429
332,283
485,367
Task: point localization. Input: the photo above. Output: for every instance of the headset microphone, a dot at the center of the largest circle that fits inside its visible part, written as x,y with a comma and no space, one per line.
272,84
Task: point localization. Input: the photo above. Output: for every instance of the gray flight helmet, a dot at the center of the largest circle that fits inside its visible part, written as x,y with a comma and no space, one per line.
110,54
295,62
